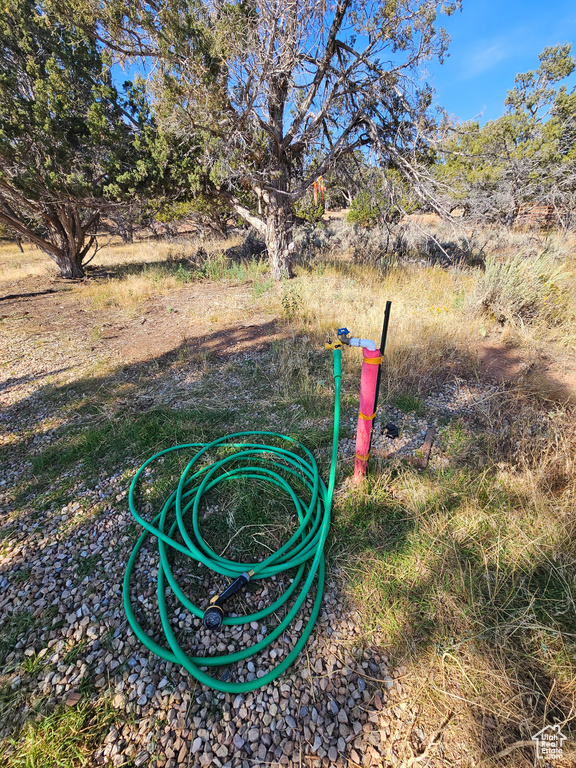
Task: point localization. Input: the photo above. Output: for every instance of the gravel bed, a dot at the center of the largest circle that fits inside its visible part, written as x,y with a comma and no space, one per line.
457,398
340,702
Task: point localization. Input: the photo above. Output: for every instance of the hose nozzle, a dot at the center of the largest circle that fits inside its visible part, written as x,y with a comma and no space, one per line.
214,614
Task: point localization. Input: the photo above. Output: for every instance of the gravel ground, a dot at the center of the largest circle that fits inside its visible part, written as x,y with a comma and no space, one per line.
342,704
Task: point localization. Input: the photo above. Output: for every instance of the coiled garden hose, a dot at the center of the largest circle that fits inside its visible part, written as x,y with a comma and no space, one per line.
258,461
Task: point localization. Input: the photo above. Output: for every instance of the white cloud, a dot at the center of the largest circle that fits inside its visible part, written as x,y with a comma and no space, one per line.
483,59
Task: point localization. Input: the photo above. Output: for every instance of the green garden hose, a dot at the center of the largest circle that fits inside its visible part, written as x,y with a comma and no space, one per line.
305,545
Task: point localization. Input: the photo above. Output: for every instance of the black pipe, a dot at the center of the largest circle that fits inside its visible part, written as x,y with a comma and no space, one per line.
382,348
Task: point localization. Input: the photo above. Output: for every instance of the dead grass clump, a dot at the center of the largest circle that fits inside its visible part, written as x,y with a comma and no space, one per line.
130,291
524,289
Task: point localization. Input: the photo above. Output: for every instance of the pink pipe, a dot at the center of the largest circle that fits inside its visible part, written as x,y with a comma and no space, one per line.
368,381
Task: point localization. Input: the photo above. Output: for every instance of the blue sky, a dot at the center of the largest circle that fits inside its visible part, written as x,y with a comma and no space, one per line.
490,43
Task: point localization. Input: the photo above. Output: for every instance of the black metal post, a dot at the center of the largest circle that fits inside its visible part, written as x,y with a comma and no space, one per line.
382,348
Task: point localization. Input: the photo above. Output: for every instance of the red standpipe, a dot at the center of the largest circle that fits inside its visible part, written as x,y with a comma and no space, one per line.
368,390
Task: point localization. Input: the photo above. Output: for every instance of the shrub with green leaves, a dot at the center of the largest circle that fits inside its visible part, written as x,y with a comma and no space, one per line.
365,210
308,210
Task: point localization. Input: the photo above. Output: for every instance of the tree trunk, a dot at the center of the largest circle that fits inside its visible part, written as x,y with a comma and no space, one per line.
279,236
70,264
67,232
126,233
71,240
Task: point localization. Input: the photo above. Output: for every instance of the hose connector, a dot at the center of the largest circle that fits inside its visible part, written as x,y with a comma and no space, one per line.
344,335
214,614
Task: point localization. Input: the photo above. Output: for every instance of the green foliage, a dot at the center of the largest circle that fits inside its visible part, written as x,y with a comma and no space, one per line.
260,287
384,197
409,403
14,626
527,154
535,90
364,210
69,141
101,447
308,210
291,301
191,203
88,565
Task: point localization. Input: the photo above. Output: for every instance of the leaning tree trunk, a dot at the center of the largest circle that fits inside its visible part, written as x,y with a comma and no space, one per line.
279,236
63,230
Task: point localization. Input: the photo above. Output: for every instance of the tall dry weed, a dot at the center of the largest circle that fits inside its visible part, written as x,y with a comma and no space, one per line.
525,288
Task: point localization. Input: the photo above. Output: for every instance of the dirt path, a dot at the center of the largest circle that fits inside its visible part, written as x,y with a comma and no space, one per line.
50,333
552,381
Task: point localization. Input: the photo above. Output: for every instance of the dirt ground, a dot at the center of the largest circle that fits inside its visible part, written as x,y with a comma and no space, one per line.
48,321
34,309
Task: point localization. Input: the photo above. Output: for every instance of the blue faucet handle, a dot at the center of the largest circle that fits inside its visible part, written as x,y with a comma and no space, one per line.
343,332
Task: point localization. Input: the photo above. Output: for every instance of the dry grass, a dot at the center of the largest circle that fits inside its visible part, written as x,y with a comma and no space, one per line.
469,574
15,265
430,327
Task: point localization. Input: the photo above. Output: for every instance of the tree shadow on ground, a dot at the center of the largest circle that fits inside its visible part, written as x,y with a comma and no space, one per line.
29,295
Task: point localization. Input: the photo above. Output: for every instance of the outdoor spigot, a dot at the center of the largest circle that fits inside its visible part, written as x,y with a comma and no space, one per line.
344,335
214,614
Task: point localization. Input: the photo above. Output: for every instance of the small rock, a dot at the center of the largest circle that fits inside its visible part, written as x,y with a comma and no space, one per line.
73,699
119,700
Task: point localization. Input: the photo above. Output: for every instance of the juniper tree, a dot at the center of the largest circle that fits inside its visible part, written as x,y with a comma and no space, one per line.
68,138
263,86
526,155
